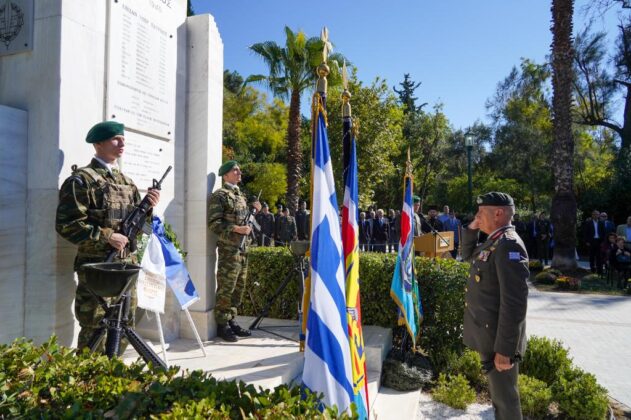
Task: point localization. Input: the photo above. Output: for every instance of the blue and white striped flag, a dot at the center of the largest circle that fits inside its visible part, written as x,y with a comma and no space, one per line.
176,273
327,368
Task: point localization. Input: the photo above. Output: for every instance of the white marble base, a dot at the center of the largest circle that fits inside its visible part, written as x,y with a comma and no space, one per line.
204,321
13,227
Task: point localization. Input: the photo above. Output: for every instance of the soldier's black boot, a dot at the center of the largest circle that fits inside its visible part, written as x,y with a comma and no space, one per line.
225,332
236,328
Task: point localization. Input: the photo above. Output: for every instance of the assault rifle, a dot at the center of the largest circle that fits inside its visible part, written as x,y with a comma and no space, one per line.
250,220
133,223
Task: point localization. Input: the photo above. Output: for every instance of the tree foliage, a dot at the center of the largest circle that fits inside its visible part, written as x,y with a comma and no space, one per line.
291,71
380,118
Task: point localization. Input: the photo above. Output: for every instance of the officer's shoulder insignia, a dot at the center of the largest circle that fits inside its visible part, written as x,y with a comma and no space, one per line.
514,256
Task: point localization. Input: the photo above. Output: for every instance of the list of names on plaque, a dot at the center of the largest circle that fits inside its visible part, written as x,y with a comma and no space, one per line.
142,52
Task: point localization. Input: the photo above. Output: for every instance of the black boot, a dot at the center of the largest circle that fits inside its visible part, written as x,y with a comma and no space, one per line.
236,328
225,332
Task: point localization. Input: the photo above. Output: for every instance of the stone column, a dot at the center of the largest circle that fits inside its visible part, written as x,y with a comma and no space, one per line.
204,112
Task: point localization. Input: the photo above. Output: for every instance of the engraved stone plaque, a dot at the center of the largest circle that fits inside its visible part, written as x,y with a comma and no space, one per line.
142,159
16,26
141,65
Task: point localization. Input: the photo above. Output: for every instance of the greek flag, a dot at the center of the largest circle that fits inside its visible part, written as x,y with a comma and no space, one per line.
327,369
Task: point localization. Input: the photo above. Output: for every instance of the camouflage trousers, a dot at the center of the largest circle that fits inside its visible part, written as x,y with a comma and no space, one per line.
89,313
232,271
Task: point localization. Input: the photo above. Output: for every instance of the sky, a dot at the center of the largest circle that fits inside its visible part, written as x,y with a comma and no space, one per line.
458,49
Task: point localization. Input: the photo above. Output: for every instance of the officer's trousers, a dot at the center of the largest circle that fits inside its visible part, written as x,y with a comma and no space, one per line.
504,390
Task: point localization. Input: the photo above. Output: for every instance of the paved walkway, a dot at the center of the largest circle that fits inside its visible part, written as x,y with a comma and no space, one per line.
596,328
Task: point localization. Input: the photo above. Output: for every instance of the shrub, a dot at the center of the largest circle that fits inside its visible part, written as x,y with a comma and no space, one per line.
534,265
591,278
470,366
567,283
545,277
535,397
455,391
50,381
553,271
580,396
441,287
545,359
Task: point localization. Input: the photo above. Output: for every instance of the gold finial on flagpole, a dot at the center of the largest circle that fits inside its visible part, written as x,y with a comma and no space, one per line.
323,69
346,95
408,164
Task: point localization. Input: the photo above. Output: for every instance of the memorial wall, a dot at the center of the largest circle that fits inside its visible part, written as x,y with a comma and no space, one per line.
140,62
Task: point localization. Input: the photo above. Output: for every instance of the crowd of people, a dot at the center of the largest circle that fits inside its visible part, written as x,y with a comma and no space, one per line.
607,245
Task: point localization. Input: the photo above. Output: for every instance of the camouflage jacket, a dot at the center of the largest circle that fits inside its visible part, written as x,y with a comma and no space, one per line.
92,204
286,229
227,208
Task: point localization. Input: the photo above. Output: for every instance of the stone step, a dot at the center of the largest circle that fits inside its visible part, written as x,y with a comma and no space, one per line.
395,405
269,358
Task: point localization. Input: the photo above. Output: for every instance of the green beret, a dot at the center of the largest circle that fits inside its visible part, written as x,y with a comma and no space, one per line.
226,167
495,199
105,130
416,199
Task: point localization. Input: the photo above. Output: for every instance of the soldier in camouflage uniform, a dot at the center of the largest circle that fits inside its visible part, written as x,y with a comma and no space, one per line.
92,203
287,231
267,223
226,218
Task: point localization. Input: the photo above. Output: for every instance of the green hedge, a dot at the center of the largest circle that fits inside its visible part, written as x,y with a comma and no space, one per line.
50,381
441,285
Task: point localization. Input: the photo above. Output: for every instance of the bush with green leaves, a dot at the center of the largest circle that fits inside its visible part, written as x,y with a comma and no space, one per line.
454,391
470,366
441,286
535,396
545,359
534,265
580,396
51,381
545,277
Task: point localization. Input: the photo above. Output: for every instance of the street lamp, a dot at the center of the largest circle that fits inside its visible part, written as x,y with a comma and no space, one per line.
468,142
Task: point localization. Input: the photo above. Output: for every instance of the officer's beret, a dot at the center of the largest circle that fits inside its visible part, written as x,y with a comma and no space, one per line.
265,204
495,199
416,199
226,167
104,130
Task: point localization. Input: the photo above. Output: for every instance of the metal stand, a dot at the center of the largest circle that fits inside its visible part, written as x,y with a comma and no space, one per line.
299,268
115,324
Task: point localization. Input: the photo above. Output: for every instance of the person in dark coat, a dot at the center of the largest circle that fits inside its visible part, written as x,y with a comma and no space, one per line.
544,235
302,222
431,222
380,232
364,232
266,220
594,235
496,299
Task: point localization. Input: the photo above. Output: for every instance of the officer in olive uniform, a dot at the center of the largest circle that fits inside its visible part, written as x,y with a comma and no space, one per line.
93,201
227,214
496,299
287,231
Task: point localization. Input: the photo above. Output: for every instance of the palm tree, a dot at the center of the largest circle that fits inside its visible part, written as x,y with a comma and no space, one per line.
292,72
563,211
